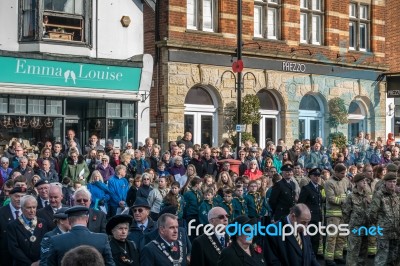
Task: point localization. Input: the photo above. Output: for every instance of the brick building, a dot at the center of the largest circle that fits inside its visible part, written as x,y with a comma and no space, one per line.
300,53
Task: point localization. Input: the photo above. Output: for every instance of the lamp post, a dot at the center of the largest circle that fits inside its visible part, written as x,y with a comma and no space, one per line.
239,78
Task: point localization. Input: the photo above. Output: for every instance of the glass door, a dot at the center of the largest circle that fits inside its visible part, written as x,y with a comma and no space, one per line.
302,129
310,128
206,129
202,126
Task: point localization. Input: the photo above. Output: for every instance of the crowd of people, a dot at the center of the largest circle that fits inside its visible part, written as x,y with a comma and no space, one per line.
144,199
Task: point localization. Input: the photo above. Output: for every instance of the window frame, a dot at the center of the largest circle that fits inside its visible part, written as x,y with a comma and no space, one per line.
308,29
198,16
39,27
358,21
265,6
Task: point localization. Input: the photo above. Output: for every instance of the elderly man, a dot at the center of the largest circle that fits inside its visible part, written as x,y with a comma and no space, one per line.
79,235
187,140
62,227
206,249
92,145
166,249
43,187
142,223
295,249
9,213
25,233
97,219
23,168
55,198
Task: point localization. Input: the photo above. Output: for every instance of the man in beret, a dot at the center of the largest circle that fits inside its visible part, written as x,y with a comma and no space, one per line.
283,195
25,233
385,212
62,227
77,236
42,187
9,213
311,196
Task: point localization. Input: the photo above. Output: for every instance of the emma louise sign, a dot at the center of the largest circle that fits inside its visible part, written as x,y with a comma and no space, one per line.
67,74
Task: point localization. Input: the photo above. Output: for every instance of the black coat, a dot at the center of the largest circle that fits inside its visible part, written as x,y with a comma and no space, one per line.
6,217
288,253
97,221
23,251
283,197
79,235
312,197
234,255
47,214
148,237
136,234
203,251
120,258
151,255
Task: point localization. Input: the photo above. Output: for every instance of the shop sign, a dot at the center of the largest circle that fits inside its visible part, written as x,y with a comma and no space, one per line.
68,74
293,67
393,86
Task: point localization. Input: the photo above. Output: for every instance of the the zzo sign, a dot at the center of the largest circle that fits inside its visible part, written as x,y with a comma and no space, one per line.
293,67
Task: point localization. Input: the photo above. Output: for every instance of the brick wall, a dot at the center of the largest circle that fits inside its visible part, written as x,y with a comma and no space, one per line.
393,35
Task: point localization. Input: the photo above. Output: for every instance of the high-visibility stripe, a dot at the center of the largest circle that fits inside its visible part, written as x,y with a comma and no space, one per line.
334,213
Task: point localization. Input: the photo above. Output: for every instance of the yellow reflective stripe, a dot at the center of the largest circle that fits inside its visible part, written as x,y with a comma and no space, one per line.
333,213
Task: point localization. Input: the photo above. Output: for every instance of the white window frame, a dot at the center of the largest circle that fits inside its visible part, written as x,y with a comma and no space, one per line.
269,114
198,110
357,118
195,13
309,115
359,16
267,27
311,32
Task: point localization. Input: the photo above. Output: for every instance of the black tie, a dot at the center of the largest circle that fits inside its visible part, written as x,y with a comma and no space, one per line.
16,214
222,240
46,202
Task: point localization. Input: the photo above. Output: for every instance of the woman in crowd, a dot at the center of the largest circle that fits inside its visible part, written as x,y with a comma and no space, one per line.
253,172
178,171
118,186
124,252
243,250
125,160
5,170
46,154
173,198
132,192
105,168
224,182
31,186
145,187
191,173
99,190
76,168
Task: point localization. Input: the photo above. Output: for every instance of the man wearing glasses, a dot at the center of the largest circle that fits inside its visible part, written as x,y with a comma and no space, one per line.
15,160
206,249
142,223
97,219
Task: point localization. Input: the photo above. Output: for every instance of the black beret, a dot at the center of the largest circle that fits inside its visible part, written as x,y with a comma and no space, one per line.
41,182
18,190
287,167
315,171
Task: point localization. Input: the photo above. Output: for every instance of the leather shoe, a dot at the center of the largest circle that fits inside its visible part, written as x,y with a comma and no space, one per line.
330,263
340,261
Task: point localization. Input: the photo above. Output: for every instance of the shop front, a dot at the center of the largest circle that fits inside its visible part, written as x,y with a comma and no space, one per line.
41,99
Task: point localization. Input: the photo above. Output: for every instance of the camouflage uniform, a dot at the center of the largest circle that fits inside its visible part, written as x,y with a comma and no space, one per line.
335,191
354,214
384,211
370,189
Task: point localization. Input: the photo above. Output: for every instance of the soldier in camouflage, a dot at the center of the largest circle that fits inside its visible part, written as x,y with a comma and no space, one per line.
369,189
384,211
354,214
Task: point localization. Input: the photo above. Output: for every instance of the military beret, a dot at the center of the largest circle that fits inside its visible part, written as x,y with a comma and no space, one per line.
116,220
41,182
391,167
358,177
77,211
18,190
390,176
314,171
287,168
60,213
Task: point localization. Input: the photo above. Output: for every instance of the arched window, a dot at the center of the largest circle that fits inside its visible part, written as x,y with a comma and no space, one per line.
267,129
356,119
310,117
200,115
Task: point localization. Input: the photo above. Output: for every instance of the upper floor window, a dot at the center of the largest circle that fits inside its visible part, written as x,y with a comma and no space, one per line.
266,18
202,15
60,20
359,26
311,21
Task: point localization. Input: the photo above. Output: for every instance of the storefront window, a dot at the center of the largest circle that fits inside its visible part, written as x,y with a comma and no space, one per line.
97,108
36,106
3,105
114,109
54,107
120,131
18,105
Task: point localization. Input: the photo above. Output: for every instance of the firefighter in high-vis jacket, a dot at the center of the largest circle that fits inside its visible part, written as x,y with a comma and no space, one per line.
336,191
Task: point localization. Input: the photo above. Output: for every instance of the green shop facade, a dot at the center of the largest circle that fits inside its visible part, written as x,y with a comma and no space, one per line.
42,97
